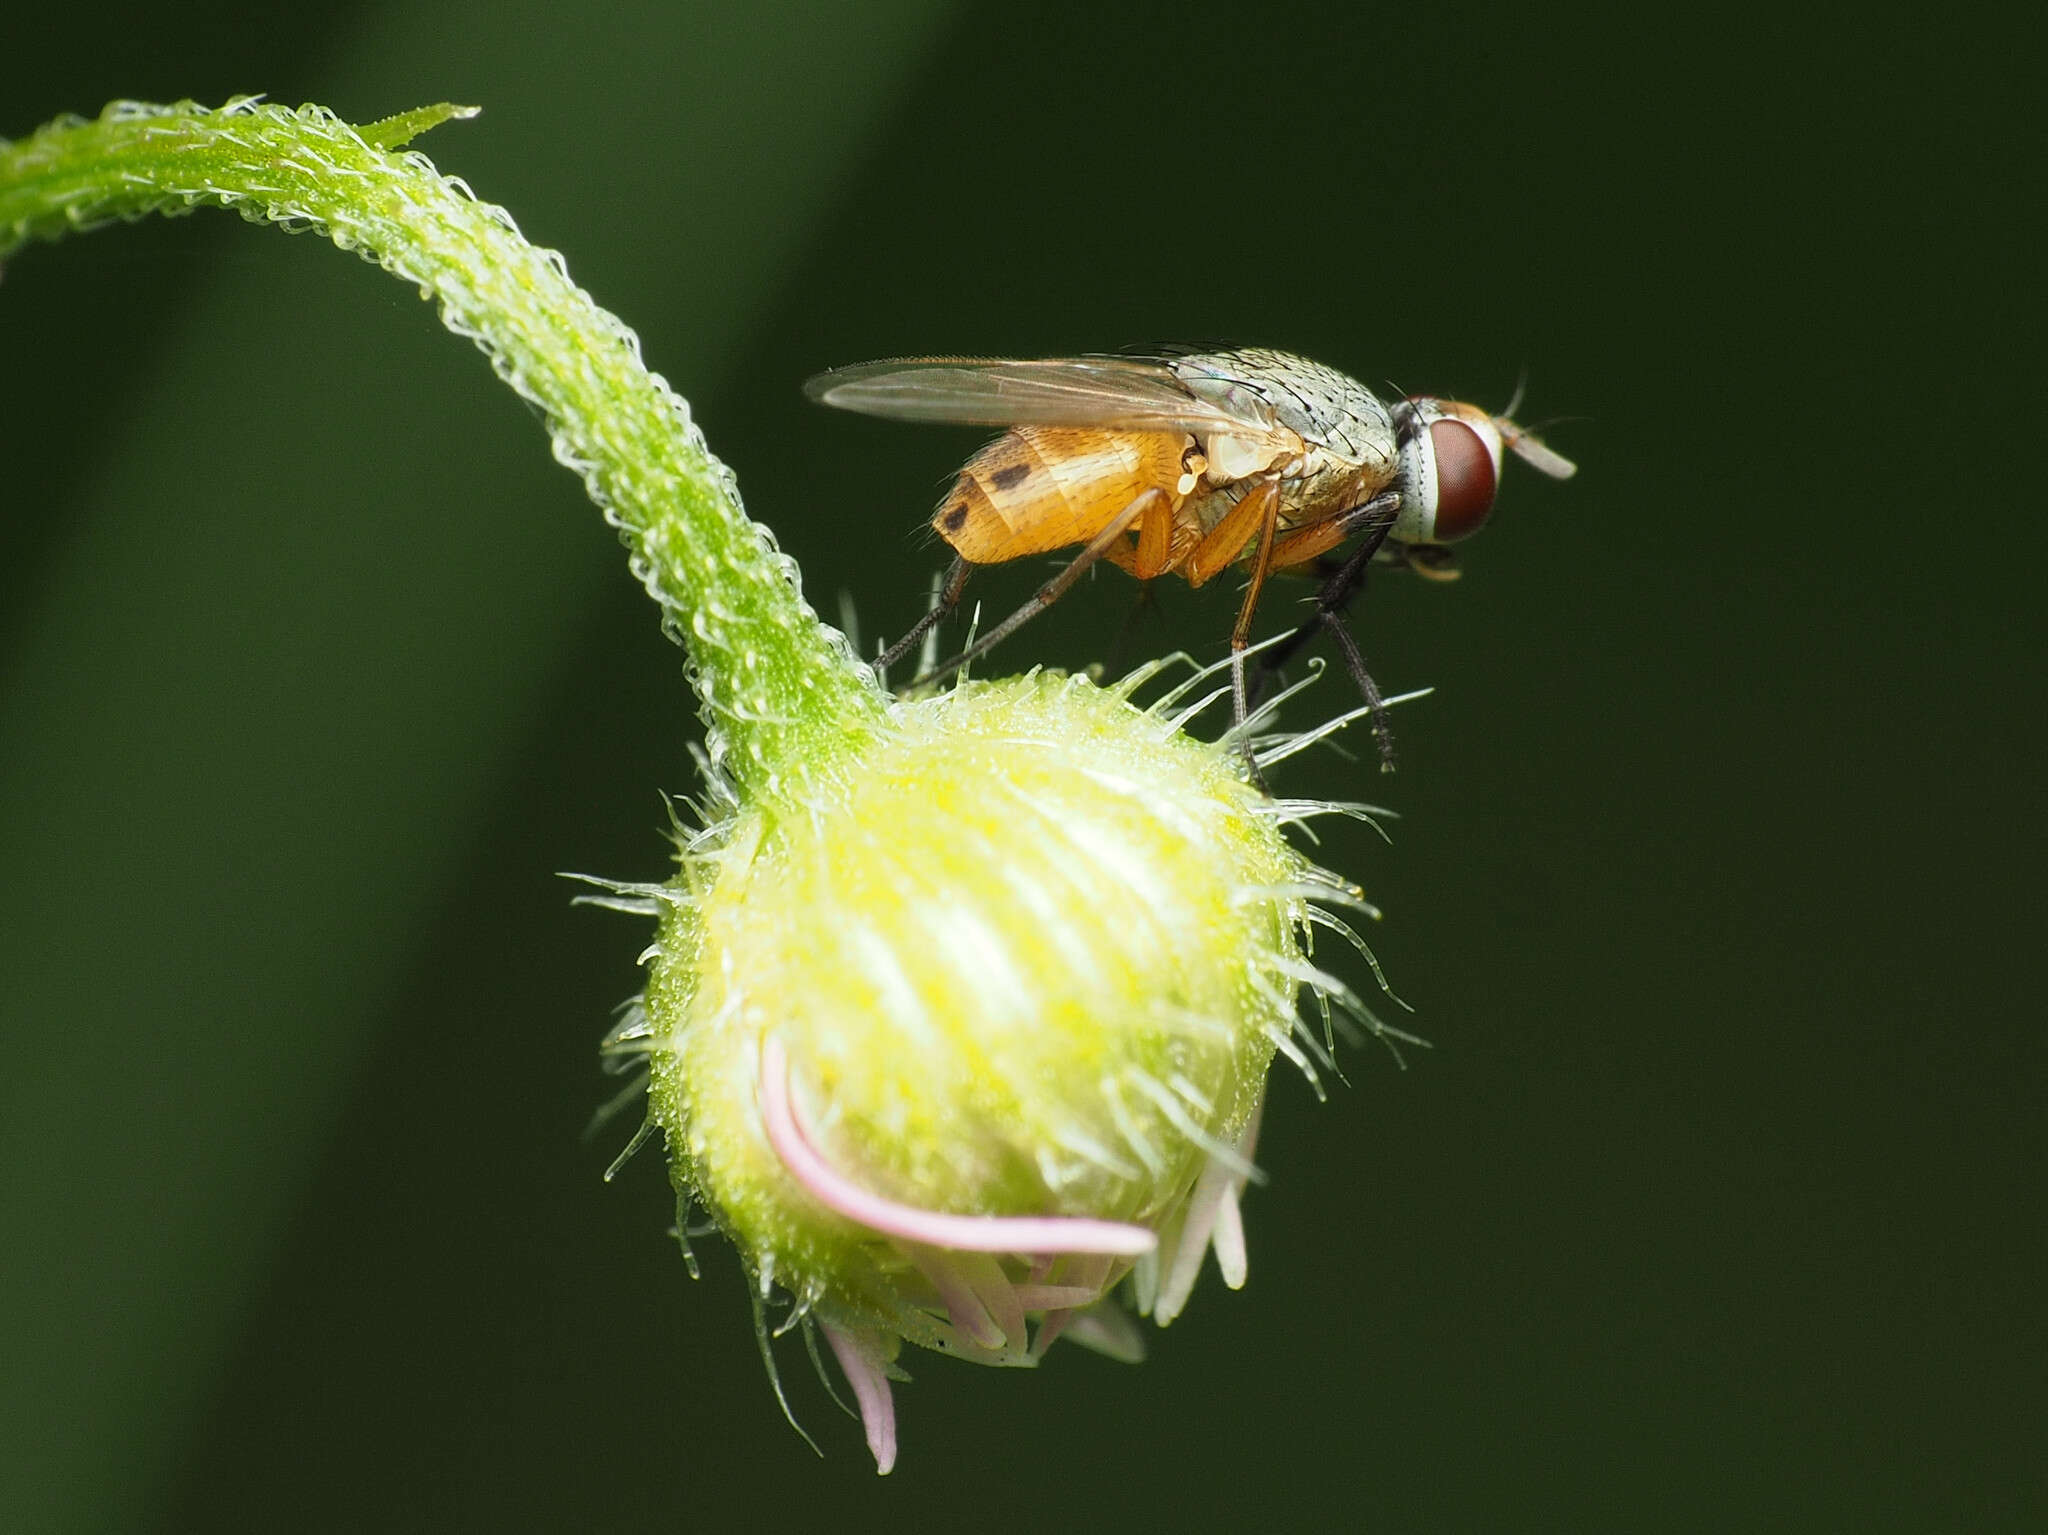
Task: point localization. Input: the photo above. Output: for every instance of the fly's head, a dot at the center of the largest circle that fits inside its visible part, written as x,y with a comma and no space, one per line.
1449,466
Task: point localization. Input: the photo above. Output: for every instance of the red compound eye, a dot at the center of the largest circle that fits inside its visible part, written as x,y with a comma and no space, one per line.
1464,480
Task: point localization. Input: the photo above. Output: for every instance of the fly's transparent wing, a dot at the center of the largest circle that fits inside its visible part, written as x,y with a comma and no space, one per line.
1129,392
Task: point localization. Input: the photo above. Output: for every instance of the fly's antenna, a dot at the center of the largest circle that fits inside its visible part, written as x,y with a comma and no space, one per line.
1523,442
1515,400
1533,451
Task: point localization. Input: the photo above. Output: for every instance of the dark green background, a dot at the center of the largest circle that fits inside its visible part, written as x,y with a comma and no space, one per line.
1716,1206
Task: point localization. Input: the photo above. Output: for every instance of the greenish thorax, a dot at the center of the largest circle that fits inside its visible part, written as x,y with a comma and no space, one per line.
783,695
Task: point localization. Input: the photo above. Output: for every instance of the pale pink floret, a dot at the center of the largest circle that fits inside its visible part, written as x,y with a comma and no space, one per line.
931,1228
958,1255
1212,1216
1228,1241
860,1356
1086,1278
1056,1297
980,1300
1108,1329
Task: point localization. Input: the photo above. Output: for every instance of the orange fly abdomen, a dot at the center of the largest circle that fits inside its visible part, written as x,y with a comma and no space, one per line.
1036,489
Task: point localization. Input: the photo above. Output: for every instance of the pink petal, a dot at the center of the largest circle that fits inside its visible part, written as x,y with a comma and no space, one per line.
1054,1324
1083,1282
1092,1271
966,1308
965,1233
1108,1329
1178,1282
1228,1241
993,1289
860,1356
1056,1297
1212,1214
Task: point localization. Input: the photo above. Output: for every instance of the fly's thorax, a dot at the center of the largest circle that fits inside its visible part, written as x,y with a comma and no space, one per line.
1325,489
1313,486
1036,489
1327,410
1229,457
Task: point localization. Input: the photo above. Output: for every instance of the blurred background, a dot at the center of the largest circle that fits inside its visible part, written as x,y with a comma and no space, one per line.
1714,884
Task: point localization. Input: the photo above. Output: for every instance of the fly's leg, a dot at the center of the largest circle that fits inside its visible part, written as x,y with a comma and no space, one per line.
1342,581
949,599
1354,661
1377,517
1151,503
1225,543
1153,551
1262,563
1146,559
1257,514
1274,658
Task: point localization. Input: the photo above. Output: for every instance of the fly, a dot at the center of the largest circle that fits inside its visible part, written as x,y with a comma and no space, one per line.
1187,464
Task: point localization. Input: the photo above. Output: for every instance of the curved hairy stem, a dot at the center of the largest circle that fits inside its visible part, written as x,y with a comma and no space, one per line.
782,693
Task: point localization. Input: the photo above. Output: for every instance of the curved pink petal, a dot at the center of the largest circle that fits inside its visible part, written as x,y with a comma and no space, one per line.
1057,1297
967,1233
860,1356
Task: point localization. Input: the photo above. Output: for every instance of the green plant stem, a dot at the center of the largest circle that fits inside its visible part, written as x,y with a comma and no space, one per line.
782,693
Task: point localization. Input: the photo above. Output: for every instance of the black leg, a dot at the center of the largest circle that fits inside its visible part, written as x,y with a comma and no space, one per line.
1378,515
1241,634
1275,657
949,599
1354,661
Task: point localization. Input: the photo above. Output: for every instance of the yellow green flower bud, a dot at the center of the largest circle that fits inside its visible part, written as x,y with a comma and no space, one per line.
979,1025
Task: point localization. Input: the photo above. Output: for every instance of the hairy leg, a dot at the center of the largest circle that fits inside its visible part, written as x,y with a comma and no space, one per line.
949,599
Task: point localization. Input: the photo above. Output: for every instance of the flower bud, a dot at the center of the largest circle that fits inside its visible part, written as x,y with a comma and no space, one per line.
974,1025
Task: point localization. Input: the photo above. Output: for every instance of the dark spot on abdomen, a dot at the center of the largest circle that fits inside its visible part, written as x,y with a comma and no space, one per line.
955,517
1010,476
